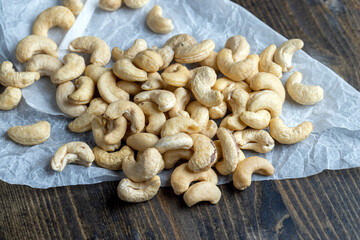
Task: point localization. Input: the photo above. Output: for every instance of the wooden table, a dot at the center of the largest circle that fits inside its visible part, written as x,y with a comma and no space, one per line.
318,207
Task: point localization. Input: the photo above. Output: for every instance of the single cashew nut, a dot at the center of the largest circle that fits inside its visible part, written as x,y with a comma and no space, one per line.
176,75
202,191
73,68
285,52
139,45
154,82
204,153
266,100
142,141
164,99
94,71
62,99
135,3
173,156
132,88
256,140
75,6
115,130
266,63
174,41
130,191
155,117
225,85
30,134
148,61
10,98
157,23
303,94
218,150
239,46
126,70
85,91
182,99
45,65
267,81
179,124
233,122
219,111
110,5
173,142
210,61
192,53
55,16
248,166
112,160
100,130
10,78
72,152
167,55
256,120
182,177
99,50
200,114
108,89
289,135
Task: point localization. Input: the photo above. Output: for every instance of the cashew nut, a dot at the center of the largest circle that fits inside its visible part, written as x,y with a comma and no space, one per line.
130,191
285,52
182,99
157,23
108,89
100,130
179,124
239,46
266,100
167,55
126,70
142,141
30,134
10,98
131,88
164,99
219,111
73,68
55,16
266,63
202,191
155,117
192,53
225,85
200,114
99,50
135,3
45,65
112,160
176,75
139,45
10,78
148,61
75,6
256,120
174,41
94,71
218,150
85,91
267,81
72,152
154,82
62,99
256,140
110,5
248,166
289,135
210,61
210,129
172,142
303,94
173,156
204,153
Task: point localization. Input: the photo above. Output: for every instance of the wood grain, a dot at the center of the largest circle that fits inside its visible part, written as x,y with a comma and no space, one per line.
324,206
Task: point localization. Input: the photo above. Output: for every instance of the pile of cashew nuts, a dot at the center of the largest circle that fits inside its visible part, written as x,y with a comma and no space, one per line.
151,109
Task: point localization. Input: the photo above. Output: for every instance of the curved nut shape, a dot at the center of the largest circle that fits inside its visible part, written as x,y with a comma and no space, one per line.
256,120
219,111
236,71
100,130
99,50
266,63
173,156
110,5
62,99
155,117
225,85
108,89
289,135
75,6
154,82
131,88
210,61
10,98
126,70
112,160
200,114
176,75
130,191
142,141
201,84
131,112
266,100
232,155
164,99
148,61
73,68
55,16
45,65
182,99
148,164
192,53
115,130
233,122
117,54
157,23
173,142
248,166
85,91
179,124
303,94
182,177
285,52
135,3
210,129
202,191
238,99
139,45
218,150
94,71
256,140
239,46
10,78
72,152
174,41
204,155
32,45
267,81
167,55
30,134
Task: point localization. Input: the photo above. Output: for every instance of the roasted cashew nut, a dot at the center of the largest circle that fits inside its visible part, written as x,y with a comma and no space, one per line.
142,141
182,99
210,61
164,99
266,100
179,124
73,68
202,191
75,6
30,134
239,46
148,61
192,53
55,16
126,70
45,65
10,78
108,89
266,63
156,118
157,23
72,152
285,52
99,50
303,94
174,41
204,153
110,5
256,120
62,99
176,75
112,160
182,177
267,81
167,55
173,142
248,166
135,3
289,135
219,111
256,140
100,130
173,156
10,98
85,91
132,88
94,71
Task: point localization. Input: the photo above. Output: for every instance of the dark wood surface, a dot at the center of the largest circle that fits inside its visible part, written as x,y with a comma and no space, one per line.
325,206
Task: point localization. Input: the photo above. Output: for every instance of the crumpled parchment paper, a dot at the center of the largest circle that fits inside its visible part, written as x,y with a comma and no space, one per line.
334,143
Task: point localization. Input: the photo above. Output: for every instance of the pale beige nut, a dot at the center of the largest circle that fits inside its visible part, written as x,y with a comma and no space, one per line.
148,164
157,23
239,46
110,5
256,70
115,130
73,68
112,160
75,6
266,100
303,94
45,65
202,191
94,71
126,70
182,99
176,75
85,89
204,153
256,140
130,111
192,53
267,81
233,122
248,166
83,123
96,47
164,99
155,117
132,88
135,3
225,85
148,61
210,129
173,156
236,71
173,142
10,98
154,82
72,152
182,177
117,54
289,135
219,111
174,41
62,99
210,61
130,191
57,16
285,52
32,45
139,45
179,124
231,153
10,78
100,130
142,141
266,63
108,89
256,120
30,134
200,114
218,150
167,55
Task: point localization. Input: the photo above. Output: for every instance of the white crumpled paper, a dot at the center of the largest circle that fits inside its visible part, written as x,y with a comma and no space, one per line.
334,143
